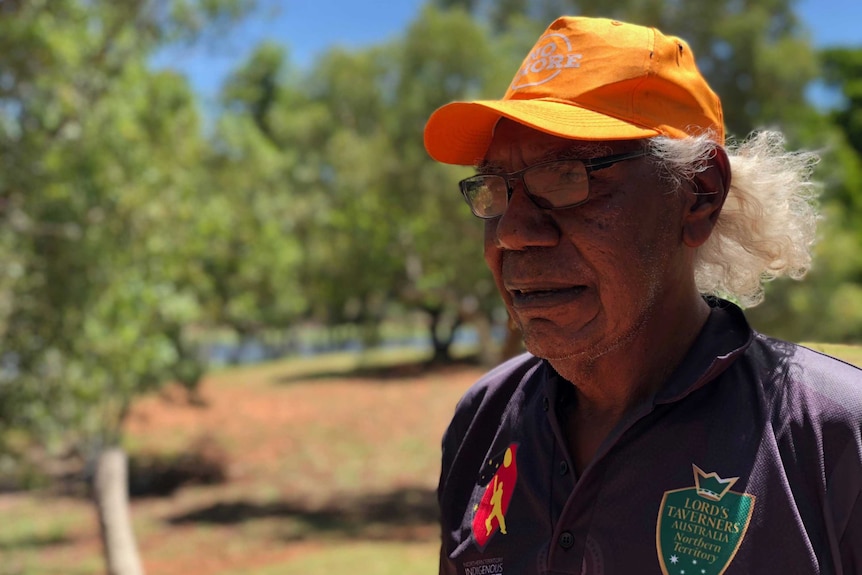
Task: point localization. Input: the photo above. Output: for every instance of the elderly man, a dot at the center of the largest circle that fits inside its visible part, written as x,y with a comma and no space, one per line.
649,429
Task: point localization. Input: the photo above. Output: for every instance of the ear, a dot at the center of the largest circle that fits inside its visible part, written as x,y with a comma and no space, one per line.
705,199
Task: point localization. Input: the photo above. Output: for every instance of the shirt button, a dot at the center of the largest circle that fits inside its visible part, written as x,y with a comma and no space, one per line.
566,540
546,403
564,467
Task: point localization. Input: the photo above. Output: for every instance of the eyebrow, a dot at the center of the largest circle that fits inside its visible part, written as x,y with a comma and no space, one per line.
578,151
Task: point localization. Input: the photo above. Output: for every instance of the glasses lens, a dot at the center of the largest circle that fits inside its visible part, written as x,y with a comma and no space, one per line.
487,195
558,184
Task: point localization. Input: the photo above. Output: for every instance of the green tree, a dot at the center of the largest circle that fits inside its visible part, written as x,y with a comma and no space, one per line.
98,193
842,71
316,144
396,226
247,255
445,56
827,306
381,226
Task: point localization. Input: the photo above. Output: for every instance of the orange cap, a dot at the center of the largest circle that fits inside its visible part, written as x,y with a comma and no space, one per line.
588,79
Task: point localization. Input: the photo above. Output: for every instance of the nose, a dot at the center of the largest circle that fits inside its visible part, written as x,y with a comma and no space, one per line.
524,224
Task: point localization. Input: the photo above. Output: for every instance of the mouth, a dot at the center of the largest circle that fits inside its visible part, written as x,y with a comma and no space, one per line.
544,296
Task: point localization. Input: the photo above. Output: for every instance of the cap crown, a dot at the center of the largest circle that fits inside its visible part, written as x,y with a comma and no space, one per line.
588,79
629,72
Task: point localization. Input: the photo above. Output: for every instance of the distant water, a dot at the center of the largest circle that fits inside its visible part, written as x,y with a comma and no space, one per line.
255,351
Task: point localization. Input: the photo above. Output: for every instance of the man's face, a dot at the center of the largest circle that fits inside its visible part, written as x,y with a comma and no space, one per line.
585,280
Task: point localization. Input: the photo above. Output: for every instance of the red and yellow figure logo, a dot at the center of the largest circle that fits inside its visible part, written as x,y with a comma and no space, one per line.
490,514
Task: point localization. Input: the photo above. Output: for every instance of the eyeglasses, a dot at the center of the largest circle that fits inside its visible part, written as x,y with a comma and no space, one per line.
551,185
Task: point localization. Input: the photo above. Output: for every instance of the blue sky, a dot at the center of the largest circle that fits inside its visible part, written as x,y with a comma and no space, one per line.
310,27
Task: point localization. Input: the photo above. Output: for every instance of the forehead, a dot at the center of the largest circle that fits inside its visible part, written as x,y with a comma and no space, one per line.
515,146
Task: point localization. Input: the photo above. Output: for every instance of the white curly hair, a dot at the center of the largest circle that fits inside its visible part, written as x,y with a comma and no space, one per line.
768,223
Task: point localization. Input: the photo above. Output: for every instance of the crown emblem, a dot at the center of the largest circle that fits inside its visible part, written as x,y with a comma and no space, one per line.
710,485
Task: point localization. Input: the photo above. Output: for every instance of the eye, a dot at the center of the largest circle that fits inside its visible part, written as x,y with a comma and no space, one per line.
571,177
482,196
558,172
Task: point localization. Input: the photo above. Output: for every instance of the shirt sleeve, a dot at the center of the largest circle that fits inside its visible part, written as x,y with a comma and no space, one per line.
449,447
446,566
851,541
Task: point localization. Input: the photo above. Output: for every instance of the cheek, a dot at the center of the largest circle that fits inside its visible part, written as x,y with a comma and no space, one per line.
491,251
618,244
493,254
599,232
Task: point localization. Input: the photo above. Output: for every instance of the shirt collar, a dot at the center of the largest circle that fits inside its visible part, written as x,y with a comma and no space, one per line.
723,338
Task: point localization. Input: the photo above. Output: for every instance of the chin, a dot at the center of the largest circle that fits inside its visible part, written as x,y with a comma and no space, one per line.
557,354
563,346
552,348
549,340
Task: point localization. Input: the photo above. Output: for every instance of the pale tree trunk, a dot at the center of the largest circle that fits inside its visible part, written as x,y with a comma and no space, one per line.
111,495
514,343
489,353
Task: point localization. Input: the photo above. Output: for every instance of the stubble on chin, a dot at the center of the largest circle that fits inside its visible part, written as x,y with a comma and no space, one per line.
586,356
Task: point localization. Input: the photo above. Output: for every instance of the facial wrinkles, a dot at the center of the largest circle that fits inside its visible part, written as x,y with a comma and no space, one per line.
649,294
608,231
652,263
654,267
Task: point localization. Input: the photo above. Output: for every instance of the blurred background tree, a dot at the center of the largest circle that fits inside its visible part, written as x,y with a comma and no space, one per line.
102,170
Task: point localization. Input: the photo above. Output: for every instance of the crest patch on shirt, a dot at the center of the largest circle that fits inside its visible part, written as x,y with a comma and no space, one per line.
700,528
490,513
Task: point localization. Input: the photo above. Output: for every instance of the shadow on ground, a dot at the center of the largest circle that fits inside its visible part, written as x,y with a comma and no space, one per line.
383,374
399,515
157,475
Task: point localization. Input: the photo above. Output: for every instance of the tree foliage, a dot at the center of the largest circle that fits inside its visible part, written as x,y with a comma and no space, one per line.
828,304
98,187
102,162
375,218
842,70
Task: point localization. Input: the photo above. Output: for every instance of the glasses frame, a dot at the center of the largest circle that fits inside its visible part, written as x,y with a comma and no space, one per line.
589,166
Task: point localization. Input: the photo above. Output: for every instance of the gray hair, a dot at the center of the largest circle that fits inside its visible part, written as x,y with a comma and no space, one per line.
767,225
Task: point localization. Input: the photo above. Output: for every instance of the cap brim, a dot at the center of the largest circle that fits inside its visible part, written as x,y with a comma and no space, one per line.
460,132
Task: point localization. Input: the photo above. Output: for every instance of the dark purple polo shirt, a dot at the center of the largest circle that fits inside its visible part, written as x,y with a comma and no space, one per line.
748,461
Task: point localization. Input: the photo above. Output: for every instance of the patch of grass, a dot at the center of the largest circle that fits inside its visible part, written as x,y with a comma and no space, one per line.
41,535
367,558
14,566
849,353
26,537
32,527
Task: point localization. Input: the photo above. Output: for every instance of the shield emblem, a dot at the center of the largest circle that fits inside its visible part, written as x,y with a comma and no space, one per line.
490,513
700,528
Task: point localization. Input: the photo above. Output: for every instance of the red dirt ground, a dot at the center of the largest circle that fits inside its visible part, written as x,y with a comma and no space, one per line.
306,461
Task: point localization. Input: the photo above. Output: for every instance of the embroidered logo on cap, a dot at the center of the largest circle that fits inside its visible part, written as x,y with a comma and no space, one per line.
551,55
700,528
490,513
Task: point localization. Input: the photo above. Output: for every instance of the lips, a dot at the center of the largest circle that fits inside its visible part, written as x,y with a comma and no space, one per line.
544,296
